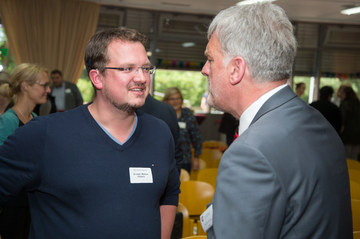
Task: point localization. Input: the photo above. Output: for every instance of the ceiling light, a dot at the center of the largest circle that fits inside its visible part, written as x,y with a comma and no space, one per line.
247,2
350,11
188,44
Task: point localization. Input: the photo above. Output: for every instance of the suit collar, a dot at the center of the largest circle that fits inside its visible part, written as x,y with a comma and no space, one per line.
278,99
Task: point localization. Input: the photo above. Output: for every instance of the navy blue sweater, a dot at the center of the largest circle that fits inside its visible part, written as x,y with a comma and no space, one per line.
77,178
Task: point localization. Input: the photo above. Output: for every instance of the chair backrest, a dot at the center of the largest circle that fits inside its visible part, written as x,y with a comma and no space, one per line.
214,144
354,175
211,157
186,223
195,237
195,195
208,175
355,189
353,164
184,175
193,174
355,205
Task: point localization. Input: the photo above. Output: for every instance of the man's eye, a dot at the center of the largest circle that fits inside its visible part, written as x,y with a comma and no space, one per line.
127,69
146,69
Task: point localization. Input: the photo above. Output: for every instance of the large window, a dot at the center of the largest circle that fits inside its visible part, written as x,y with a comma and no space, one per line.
192,85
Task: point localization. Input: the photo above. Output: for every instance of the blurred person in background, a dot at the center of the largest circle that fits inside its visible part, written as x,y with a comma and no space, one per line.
189,129
30,86
328,109
67,95
350,114
300,89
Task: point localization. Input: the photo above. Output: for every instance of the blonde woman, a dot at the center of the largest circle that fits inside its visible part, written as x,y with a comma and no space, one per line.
189,129
29,83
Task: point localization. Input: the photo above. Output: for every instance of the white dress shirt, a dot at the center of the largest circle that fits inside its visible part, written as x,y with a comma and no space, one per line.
251,111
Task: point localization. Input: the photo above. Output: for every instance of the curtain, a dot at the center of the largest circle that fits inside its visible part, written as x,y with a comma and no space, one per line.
52,33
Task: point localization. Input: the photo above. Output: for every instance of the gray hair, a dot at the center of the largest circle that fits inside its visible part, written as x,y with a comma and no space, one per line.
261,34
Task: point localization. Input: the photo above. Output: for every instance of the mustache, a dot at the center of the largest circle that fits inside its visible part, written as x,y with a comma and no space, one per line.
141,85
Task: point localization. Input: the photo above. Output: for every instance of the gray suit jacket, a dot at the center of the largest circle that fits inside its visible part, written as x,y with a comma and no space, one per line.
284,177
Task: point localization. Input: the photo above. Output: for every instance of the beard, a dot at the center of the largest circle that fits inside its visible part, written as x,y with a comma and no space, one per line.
125,107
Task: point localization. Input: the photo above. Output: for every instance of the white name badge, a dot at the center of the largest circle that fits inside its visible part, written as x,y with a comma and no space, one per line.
182,125
140,175
206,218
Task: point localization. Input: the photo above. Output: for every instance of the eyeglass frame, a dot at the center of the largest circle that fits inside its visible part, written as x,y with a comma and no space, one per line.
122,69
44,85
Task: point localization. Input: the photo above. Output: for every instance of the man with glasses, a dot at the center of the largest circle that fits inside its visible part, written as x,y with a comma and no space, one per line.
102,170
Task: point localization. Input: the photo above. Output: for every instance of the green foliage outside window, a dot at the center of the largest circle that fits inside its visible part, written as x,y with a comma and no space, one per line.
7,62
192,84
85,86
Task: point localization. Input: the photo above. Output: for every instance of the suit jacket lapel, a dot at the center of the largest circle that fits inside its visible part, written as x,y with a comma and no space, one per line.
279,98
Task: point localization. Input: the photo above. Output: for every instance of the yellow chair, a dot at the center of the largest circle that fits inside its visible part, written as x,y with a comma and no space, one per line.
193,174
214,144
354,175
184,175
353,164
355,205
208,175
355,189
195,195
186,220
211,157
195,237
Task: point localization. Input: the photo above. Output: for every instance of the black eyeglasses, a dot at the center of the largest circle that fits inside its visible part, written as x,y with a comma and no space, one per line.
132,70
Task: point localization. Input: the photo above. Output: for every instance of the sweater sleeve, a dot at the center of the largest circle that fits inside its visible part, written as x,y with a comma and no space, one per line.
20,157
171,194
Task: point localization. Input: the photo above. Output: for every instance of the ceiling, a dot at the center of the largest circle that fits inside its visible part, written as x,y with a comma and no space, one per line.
328,42
323,11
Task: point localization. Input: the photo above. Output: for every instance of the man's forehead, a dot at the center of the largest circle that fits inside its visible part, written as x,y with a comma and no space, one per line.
127,52
212,46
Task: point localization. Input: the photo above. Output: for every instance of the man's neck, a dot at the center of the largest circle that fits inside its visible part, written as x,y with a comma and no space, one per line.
117,122
255,91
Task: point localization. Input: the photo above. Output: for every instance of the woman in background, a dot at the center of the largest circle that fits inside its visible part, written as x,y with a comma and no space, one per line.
189,129
30,86
300,89
29,83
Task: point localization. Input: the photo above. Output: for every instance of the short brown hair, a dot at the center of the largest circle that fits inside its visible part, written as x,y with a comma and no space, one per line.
96,55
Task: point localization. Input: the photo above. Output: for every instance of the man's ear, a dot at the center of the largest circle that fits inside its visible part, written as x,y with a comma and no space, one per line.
237,72
96,78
